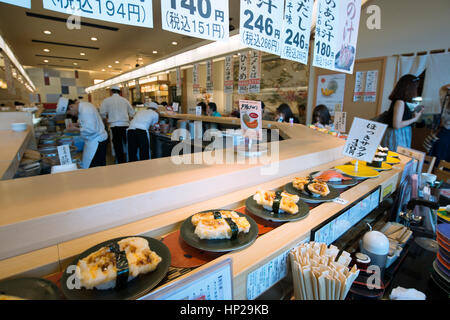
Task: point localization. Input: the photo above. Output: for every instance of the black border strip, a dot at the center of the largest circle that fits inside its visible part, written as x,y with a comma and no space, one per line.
64,44
314,230
56,57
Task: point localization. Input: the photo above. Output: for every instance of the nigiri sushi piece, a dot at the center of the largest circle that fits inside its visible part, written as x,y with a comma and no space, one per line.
299,183
287,202
220,224
99,269
317,188
331,175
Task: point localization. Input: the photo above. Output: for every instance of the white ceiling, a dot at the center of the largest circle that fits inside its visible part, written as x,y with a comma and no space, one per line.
125,45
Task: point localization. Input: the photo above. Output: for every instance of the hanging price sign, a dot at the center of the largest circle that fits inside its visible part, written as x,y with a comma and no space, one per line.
205,19
228,81
209,76
132,12
195,84
296,30
336,34
254,81
243,73
261,23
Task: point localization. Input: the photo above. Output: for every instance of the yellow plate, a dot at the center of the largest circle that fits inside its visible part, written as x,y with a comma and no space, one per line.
393,154
392,160
384,165
363,171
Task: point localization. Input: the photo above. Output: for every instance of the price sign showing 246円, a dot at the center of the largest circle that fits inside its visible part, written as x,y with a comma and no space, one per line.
205,19
261,23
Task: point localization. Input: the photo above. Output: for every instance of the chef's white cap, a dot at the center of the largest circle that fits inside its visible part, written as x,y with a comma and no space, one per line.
115,88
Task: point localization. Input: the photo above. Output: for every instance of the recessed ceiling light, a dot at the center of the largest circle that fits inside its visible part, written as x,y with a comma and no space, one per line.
155,52
103,69
139,58
46,50
45,61
82,54
75,64
47,32
94,39
109,66
174,43
116,61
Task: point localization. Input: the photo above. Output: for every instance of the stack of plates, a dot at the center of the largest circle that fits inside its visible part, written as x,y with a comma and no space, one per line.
442,263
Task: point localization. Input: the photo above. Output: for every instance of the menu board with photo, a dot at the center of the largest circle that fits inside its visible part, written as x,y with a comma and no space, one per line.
251,115
228,73
336,34
205,19
261,23
296,30
131,12
243,73
330,91
254,81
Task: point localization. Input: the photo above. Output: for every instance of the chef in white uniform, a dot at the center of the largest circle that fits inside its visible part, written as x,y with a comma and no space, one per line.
138,136
118,111
93,132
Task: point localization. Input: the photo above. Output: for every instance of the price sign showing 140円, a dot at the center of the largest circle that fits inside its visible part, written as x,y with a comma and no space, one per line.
260,24
205,19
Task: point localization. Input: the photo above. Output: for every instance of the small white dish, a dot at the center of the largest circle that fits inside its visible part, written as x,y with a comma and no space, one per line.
18,126
64,168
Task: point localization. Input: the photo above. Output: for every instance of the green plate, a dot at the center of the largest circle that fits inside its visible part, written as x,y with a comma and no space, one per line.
258,210
243,240
134,288
307,198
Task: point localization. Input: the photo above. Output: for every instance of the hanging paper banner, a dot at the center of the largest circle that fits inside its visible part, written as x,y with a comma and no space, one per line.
340,121
296,30
228,81
19,3
132,12
179,92
125,90
9,77
336,34
370,94
195,84
254,81
261,23
209,76
243,73
138,91
360,80
205,19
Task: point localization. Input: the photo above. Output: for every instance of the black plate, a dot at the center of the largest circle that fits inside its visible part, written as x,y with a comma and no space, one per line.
243,240
329,197
258,210
339,184
31,289
134,289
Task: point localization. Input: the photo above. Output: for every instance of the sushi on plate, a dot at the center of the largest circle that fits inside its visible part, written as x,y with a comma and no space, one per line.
277,202
220,224
332,176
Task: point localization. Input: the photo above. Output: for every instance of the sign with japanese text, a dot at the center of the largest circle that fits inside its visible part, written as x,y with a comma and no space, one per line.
251,115
296,30
198,110
132,12
228,73
19,3
61,106
261,22
336,34
370,94
179,92
363,139
340,121
243,73
205,19
254,75
64,154
209,76
360,80
195,84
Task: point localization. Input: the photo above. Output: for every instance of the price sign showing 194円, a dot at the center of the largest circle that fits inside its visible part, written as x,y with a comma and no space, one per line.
261,22
205,19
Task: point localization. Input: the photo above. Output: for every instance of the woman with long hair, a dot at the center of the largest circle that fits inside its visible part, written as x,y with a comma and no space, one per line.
284,113
321,117
402,113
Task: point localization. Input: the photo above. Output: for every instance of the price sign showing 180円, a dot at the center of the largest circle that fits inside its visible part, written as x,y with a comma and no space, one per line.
260,24
205,19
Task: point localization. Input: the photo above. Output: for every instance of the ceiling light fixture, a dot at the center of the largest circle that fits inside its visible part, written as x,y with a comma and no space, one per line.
75,64
82,54
110,66
174,43
116,61
103,70
46,61
94,39
155,52
46,50
47,32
